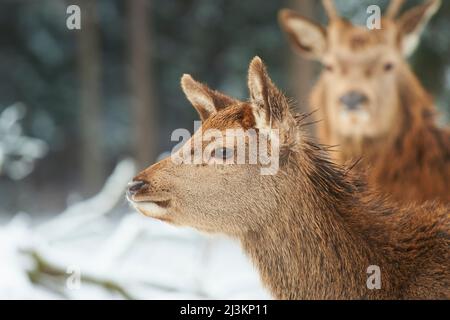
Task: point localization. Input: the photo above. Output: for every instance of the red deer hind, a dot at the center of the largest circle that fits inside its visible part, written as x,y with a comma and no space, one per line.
315,243
371,105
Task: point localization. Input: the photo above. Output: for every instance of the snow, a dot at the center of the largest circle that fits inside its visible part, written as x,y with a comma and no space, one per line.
131,257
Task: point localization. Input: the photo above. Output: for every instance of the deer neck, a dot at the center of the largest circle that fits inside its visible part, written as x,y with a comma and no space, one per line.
309,251
416,114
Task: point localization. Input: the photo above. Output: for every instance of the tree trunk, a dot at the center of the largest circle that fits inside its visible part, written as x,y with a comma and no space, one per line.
144,109
301,70
89,62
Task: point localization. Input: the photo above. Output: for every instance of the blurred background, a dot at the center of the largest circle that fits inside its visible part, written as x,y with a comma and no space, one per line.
73,103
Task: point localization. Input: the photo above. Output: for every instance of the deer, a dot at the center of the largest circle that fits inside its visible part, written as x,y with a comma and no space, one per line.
315,243
369,104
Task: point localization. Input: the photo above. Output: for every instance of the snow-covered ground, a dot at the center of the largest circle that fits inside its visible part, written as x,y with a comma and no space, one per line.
83,253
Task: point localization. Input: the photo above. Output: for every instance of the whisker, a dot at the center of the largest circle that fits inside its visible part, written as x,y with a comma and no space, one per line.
310,123
350,168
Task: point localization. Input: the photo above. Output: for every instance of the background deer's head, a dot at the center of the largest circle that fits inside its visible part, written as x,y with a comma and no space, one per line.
211,197
359,90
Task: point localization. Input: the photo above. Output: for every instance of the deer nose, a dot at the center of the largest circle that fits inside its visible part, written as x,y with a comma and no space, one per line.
135,186
353,100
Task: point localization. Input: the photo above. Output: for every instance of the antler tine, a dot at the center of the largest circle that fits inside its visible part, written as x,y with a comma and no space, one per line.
330,8
394,8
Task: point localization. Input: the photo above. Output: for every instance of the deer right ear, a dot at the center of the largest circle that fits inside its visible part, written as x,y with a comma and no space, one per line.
413,22
306,37
205,100
272,104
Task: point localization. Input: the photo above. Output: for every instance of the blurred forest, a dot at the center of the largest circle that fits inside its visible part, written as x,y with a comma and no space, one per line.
111,89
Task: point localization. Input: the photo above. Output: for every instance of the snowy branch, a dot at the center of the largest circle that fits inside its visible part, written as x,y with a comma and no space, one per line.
17,151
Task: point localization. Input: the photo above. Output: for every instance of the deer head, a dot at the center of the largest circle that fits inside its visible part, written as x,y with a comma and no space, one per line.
365,71
212,195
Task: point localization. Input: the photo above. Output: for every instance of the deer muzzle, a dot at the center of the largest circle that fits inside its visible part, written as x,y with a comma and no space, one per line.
353,101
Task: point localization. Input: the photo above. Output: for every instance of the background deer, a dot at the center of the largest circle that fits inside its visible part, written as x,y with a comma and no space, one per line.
316,243
371,104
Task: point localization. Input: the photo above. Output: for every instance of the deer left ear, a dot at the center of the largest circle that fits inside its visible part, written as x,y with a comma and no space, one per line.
271,105
306,37
205,100
413,22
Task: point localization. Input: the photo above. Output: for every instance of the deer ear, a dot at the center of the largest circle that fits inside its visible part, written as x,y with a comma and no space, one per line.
413,22
307,37
272,105
205,100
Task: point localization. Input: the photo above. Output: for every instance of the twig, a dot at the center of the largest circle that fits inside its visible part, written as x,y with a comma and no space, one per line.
45,269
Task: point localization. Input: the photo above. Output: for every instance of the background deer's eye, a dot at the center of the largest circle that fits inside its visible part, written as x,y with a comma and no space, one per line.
223,153
329,67
388,66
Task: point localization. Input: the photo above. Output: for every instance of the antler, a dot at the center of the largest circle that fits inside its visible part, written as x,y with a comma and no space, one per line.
330,8
394,8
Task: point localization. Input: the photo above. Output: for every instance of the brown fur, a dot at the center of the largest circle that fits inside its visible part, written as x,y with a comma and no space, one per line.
405,154
317,242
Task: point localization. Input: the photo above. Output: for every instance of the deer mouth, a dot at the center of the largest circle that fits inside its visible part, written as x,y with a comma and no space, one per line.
162,204
352,118
159,203
153,209
154,206
159,198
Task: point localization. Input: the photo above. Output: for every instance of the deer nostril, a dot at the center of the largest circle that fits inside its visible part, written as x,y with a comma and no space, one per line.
135,186
353,100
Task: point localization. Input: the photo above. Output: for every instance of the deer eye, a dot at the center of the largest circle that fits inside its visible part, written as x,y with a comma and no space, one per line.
329,68
388,66
222,153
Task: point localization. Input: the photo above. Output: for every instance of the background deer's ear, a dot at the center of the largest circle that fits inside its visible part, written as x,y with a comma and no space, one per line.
205,100
413,22
272,105
307,37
